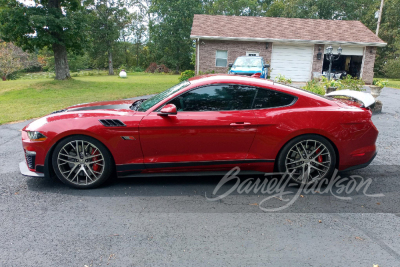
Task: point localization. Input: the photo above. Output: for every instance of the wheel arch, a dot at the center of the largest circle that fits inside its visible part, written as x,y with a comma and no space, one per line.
321,135
48,165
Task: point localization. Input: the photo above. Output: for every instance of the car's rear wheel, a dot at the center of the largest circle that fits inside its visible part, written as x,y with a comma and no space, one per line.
82,162
307,159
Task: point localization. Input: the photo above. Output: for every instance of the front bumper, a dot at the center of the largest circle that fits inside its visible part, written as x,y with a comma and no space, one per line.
23,168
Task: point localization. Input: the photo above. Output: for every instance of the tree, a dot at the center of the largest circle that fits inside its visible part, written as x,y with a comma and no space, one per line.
170,36
57,24
387,57
138,30
14,59
109,18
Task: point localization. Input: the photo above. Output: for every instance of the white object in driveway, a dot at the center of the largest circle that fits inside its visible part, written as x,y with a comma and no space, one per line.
122,74
366,98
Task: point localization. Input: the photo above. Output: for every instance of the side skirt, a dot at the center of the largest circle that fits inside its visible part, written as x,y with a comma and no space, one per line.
183,174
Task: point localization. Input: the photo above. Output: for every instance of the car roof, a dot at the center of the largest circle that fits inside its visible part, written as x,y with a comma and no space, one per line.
253,81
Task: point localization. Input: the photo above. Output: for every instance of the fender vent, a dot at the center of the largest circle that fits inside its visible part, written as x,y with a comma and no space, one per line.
112,123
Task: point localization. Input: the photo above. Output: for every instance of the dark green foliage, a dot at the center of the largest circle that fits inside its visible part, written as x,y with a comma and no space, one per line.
57,24
170,38
186,75
351,83
41,26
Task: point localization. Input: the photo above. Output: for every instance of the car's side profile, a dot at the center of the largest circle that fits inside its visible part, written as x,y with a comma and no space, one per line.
206,125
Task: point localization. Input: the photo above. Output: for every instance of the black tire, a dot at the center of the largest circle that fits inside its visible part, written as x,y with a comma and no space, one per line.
89,168
307,170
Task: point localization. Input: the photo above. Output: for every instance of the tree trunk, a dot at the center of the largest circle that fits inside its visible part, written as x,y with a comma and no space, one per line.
61,62
137,54
4,78
110,63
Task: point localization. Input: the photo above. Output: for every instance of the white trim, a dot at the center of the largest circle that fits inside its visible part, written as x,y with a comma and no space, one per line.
198,55
227,57
362,64
287,40
312,63
253,52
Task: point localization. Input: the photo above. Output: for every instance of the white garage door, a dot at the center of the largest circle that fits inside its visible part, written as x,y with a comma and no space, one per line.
294,62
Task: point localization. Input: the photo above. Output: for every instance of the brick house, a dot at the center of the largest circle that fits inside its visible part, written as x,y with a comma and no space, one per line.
293,47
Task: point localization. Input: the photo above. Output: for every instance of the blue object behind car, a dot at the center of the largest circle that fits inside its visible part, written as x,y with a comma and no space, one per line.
249,65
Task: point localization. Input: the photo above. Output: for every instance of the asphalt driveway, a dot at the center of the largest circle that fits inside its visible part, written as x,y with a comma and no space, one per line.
169,221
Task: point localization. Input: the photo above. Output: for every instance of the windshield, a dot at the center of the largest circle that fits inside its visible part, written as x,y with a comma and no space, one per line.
248,62
161,96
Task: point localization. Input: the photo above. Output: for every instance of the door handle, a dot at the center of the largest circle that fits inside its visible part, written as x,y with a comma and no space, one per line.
240,123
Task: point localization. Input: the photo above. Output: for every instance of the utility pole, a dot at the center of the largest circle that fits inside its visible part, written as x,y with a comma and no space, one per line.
379,18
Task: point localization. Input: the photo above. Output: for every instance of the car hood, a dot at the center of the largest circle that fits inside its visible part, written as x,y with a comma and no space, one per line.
82,111
114,105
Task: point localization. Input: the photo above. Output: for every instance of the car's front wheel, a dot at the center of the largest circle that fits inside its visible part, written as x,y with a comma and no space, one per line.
307,159
82,162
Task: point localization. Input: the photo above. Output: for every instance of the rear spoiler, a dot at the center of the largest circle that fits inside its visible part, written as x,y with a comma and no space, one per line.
366,98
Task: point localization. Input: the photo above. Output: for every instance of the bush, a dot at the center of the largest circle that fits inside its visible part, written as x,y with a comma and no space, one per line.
282,79
351,83
206,72
122,67
163,68
314,86
380,83
154,68
186,75
391,68
137,69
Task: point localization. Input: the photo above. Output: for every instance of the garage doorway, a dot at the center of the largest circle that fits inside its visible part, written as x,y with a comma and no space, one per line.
346,64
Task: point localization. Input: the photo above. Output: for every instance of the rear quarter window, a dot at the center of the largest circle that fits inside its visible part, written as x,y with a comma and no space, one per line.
271,99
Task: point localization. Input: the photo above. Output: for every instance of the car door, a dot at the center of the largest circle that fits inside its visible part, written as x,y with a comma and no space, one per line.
214,127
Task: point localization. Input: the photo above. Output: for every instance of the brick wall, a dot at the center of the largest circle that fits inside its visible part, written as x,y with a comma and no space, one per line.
235,49
368,67
317,64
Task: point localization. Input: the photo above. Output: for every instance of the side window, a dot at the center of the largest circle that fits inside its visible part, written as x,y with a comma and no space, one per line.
221,58
216,98
270,99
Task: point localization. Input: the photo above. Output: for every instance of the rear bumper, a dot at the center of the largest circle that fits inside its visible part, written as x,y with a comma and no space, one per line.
360,166
23,168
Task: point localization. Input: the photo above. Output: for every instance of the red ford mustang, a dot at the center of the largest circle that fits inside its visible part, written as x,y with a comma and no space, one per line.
203,126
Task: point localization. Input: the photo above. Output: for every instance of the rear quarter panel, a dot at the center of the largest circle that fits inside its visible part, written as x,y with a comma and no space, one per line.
348,130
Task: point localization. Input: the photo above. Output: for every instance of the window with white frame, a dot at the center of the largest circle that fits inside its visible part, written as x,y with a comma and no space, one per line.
252,54
221,58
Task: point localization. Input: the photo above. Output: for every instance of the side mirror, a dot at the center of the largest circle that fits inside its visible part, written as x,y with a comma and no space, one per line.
169,109
266,66
230,65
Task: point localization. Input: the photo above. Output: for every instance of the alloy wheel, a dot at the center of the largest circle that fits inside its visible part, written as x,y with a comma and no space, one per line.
80,162
308,161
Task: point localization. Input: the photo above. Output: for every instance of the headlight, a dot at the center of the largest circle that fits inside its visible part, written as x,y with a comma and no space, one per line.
36,136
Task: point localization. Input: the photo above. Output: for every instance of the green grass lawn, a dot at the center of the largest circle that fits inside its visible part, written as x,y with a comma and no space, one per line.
394,83
31,98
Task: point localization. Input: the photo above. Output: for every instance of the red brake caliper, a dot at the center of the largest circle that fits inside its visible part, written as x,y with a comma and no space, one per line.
95,166
319,157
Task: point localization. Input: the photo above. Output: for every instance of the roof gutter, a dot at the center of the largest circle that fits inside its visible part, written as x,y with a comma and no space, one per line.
298,41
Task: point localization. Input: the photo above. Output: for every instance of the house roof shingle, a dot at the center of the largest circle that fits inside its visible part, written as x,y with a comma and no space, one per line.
289,29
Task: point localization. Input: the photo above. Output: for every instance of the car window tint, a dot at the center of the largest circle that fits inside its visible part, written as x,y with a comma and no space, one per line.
215,98
271,99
